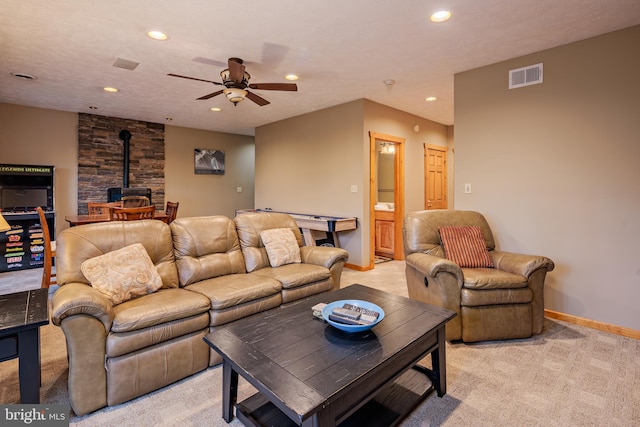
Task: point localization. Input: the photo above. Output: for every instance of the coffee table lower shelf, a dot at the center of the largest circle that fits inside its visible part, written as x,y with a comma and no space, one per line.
387,408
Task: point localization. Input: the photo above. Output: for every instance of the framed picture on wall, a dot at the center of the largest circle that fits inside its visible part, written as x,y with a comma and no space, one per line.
208,161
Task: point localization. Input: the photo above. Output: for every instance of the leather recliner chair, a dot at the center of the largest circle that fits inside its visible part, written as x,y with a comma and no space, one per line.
504,302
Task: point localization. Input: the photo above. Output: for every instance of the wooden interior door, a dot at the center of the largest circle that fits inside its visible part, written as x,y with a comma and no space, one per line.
435,177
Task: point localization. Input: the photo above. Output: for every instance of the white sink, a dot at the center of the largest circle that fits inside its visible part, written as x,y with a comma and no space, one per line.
384,206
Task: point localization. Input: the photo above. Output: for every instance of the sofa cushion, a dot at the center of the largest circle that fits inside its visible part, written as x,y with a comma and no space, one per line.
158,308
206,247
235,289
491,278
77,244
294,275
489,297
123,274
465,246
420,229
249,226
128,342
281,245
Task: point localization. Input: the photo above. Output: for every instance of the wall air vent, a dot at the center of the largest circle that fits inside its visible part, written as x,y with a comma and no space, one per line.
525,76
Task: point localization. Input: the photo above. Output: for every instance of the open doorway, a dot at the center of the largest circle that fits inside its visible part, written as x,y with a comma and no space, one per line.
386,196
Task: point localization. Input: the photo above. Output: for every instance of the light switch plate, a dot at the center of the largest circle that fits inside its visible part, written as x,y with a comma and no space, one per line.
354,188
467,188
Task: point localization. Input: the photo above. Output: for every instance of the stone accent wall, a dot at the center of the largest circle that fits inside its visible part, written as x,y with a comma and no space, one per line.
101,157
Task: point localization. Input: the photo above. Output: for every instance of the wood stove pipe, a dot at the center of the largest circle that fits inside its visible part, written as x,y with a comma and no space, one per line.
125,136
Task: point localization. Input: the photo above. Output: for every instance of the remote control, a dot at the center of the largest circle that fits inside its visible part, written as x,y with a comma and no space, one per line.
344,320
346,313
366,315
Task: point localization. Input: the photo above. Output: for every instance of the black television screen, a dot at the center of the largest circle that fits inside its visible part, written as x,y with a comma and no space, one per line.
23,198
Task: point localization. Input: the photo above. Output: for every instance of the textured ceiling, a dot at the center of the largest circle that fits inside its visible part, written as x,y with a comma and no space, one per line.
341,49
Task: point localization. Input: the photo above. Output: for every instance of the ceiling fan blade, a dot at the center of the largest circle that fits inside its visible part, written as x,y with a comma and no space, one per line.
211,95
257,99
236,70
193,78
274,86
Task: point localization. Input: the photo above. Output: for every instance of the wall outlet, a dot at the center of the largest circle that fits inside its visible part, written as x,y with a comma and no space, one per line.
354,188
467,188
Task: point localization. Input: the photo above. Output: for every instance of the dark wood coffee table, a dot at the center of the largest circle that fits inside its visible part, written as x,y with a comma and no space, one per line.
308,373
21,315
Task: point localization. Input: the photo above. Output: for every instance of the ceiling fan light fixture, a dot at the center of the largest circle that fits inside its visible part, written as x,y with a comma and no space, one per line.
235,80
235,95
225,75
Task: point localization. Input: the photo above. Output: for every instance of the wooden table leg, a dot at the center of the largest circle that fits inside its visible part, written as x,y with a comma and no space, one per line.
325,417
438,361
335,239
308,237
229,390
29,365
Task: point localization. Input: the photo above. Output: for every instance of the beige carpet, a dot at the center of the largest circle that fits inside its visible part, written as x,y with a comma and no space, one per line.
567,376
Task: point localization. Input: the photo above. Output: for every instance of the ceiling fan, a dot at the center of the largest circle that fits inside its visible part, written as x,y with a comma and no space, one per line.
236,81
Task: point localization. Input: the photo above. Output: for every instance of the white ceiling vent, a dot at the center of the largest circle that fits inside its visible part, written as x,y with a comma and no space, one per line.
125,64
525,76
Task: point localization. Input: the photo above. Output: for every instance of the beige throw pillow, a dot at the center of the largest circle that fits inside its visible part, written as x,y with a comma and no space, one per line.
123,274
281,245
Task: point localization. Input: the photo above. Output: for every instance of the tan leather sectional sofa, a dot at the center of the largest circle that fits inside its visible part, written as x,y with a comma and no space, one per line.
214,270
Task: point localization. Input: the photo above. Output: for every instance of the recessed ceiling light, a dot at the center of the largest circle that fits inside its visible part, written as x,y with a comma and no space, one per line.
216,109
157,35
430,98
441,16
110,89
291,77
93,107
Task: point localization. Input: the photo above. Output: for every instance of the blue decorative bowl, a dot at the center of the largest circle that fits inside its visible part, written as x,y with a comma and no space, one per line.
328,309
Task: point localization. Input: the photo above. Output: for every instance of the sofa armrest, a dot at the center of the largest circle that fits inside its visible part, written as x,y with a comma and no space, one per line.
79,298
524,265
323,255
431,265
437,281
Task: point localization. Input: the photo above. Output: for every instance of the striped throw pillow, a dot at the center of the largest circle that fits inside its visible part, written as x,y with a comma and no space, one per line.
465,246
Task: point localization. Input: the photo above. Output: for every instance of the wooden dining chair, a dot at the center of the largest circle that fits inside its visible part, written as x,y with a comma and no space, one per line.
48,277
171,211
135,201
132,214
95,208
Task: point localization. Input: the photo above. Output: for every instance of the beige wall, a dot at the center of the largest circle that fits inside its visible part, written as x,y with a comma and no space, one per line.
208,194
554,167
48,137
36,136
308,164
